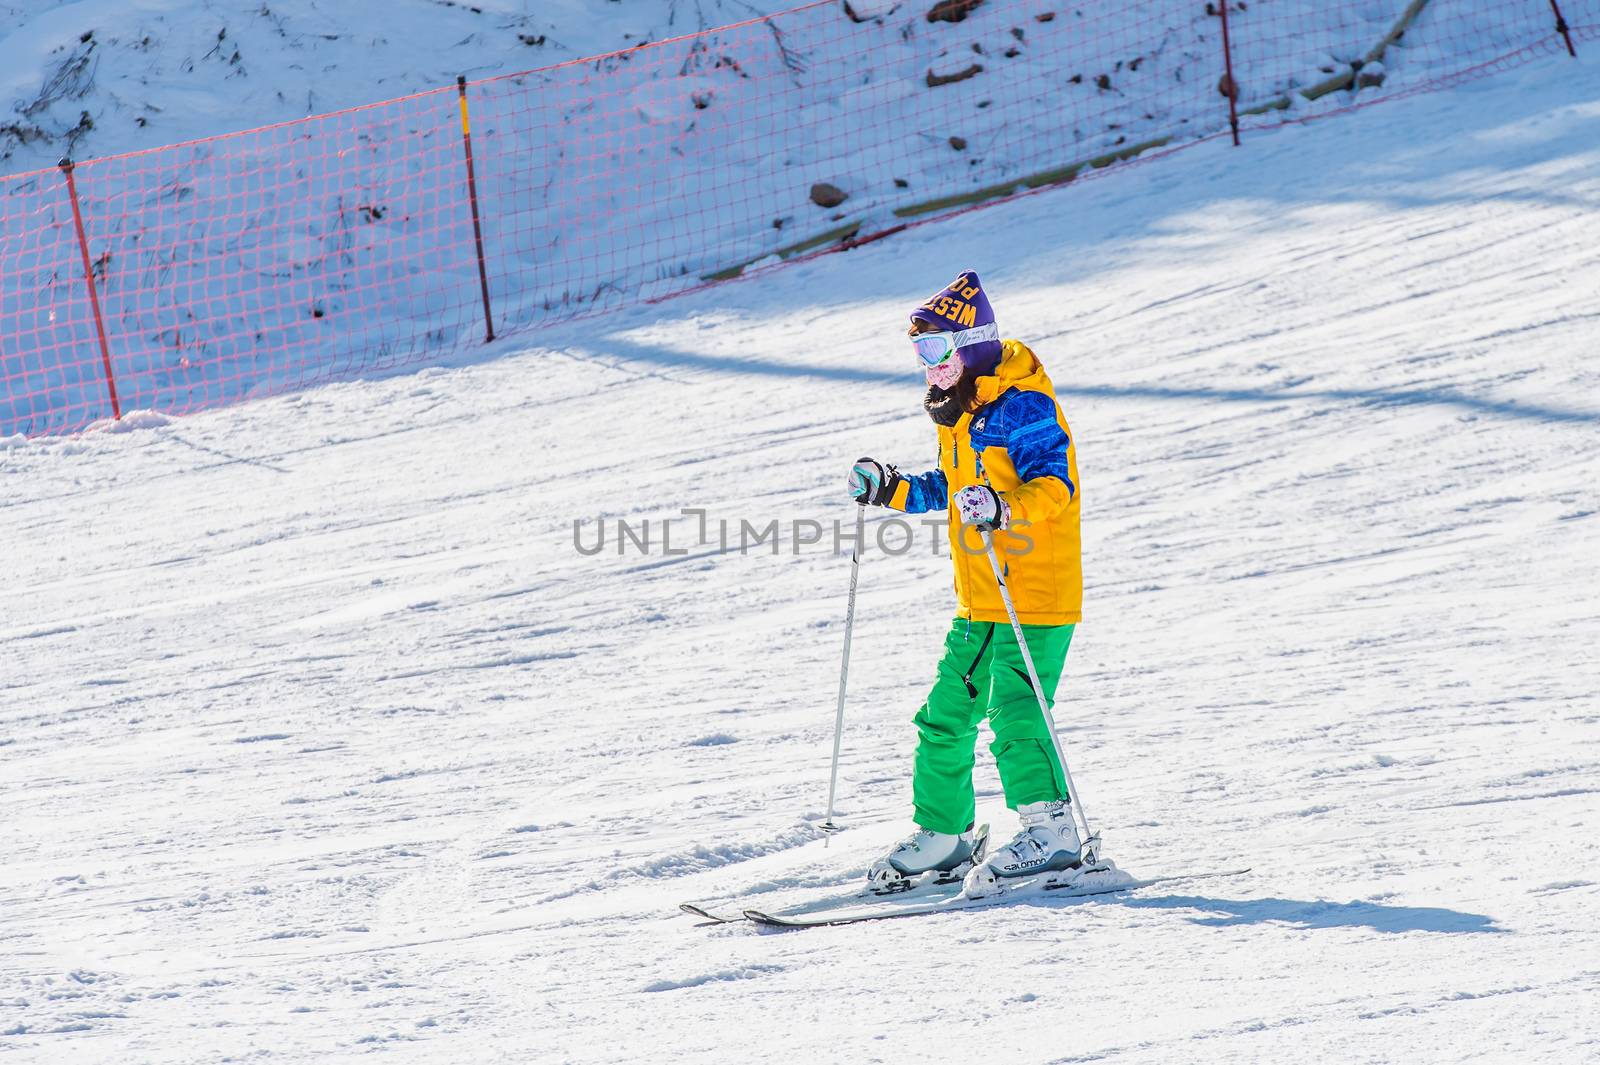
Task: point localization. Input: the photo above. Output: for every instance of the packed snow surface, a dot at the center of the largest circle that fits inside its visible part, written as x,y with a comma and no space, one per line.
320,736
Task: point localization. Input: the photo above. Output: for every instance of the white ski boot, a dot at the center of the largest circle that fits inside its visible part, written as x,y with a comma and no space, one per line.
1048,843
908,863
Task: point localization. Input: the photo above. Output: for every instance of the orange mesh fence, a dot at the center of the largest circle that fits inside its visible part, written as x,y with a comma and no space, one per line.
1583,17
1354,55
345,245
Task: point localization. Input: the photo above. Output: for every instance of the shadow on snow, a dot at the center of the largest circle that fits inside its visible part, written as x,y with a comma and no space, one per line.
1297,913
651,355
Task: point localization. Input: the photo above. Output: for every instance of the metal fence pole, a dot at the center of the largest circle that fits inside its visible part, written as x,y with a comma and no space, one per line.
94,295
472,192
1230,87
1561,28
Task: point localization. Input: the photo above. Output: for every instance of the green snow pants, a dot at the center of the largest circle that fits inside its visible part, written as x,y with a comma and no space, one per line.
982,675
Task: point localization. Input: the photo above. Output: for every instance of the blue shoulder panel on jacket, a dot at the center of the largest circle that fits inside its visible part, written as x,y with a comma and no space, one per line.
1025,424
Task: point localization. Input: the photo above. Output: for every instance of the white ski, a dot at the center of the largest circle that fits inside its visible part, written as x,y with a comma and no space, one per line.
1103,879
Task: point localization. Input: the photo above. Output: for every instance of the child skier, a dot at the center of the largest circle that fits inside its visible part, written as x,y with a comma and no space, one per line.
1006,465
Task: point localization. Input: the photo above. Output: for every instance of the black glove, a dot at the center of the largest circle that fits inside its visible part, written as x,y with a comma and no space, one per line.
871,482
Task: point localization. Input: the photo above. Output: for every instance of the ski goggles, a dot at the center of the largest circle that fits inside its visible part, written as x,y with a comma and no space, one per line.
935,348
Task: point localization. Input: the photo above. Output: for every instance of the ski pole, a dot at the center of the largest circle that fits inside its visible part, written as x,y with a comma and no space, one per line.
1038,690
844,665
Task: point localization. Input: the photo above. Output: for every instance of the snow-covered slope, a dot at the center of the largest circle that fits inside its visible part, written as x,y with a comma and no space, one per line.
319,737
153,72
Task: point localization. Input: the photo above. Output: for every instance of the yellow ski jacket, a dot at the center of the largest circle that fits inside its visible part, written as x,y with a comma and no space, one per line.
1018,443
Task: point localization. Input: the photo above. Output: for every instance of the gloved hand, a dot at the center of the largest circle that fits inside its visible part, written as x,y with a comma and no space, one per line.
982,507
872,482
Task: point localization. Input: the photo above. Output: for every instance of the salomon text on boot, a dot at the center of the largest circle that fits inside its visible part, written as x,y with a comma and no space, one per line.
1048,843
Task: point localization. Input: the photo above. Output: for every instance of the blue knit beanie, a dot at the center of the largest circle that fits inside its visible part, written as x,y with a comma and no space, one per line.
962,304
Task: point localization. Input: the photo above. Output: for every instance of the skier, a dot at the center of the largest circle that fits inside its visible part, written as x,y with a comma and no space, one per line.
1006,465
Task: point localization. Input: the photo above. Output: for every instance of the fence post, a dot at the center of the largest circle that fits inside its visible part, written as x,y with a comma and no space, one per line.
94,295
472,192
1561,28
1230,88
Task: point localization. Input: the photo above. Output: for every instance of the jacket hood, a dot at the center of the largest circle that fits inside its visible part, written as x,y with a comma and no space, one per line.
1018,367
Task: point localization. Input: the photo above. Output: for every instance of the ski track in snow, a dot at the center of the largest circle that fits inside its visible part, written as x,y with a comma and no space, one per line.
320,738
